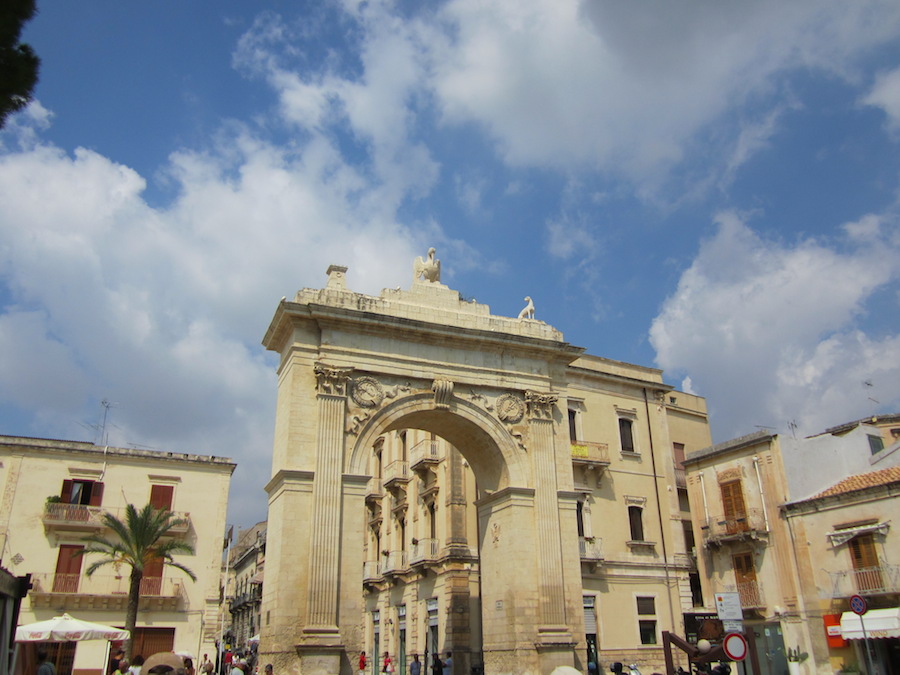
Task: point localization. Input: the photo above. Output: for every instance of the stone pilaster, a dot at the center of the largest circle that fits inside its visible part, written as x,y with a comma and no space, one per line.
325,536
552,594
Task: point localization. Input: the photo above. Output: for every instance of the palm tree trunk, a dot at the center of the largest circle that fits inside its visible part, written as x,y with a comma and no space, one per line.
134,597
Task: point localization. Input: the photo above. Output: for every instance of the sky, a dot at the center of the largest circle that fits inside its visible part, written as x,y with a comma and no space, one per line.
708,188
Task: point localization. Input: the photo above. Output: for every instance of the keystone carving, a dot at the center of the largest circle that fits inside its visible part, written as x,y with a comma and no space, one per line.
510,408
443,393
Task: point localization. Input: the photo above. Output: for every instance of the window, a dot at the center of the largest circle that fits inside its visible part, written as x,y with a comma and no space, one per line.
573,429
161,496
84,492
590,626
866,569
745,578
579,515
696,589
626,434
733,504
68,569
876,444
646,606
636,521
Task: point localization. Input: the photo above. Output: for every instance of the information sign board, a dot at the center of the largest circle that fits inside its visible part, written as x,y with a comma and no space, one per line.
728,607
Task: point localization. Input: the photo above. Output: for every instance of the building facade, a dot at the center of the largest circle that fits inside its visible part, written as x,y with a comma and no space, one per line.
54,493
779,521
448,480
247,567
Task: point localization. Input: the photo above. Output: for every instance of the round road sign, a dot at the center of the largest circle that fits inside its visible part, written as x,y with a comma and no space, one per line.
735,646
858,605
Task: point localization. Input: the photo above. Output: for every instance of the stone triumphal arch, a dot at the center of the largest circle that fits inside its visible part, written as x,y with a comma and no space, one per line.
355,369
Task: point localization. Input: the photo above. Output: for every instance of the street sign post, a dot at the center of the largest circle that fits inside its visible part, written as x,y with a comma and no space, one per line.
858,605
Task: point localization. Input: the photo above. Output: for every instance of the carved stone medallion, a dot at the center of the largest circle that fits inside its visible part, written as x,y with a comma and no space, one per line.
367,392
510,408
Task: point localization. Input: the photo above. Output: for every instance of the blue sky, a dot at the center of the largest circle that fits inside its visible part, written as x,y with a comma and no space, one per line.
710,188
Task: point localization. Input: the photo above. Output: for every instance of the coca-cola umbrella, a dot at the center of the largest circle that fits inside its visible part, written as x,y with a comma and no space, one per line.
66,628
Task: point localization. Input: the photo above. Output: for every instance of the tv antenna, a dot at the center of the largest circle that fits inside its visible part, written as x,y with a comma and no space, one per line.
101,437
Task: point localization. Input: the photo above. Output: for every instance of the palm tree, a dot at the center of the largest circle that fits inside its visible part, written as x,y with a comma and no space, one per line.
139,542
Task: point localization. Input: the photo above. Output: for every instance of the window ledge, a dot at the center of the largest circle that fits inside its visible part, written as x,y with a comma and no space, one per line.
640,542
630,454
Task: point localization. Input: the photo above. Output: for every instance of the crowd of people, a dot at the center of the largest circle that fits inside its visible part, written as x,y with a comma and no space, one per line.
416,667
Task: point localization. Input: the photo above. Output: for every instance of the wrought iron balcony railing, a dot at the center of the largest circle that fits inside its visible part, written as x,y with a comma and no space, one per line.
59,516
878,580
721,529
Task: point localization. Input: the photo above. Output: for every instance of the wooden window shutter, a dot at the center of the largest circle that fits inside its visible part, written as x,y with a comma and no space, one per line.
96,494
161,496
66,494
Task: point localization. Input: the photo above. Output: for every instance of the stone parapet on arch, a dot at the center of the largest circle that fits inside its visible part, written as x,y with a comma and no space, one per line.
495,455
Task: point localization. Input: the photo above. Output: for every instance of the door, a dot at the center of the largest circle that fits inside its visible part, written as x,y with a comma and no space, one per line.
151,583
866,569
733,504
68,569
745,578
769,649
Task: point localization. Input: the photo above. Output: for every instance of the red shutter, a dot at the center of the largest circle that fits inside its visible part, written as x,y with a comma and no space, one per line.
96,494
66,494
161,496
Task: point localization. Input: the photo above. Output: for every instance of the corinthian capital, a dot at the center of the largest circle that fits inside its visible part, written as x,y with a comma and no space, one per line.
540,405
332,380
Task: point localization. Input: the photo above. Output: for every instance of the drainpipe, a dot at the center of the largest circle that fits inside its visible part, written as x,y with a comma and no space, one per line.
762,494
662,531
703,494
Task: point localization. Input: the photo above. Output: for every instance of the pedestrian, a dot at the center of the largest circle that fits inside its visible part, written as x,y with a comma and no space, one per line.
117,656
206,666
386,665
268,669
137,664
437,666
448,664
415,666
188,666
45,667
362,663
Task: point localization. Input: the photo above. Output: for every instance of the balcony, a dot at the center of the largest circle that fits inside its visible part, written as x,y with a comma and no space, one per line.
424,456
396,475
374,490
423,552
395,562
590,552
76,591
879,580
751,595
61,517
747,526
591,459
72,517
680,478
371,572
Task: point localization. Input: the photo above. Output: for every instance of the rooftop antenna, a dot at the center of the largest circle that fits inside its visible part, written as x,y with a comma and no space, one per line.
102,436
793,426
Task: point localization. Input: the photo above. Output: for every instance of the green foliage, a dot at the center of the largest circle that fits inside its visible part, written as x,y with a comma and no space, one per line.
54,499
19,64
137,542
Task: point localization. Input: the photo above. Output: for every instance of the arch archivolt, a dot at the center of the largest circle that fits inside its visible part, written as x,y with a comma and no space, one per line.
489,426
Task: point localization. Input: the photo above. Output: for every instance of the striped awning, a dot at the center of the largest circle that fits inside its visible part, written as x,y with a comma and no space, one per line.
844,534
878,623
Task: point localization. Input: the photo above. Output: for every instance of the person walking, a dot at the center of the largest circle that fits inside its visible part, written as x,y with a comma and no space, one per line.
45,667
387,666
448,664
437,666
415,666
362,663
